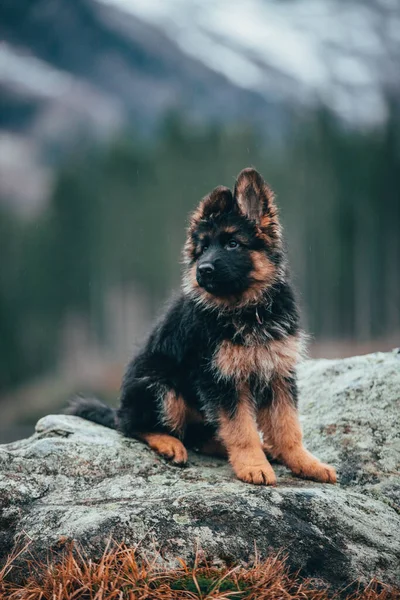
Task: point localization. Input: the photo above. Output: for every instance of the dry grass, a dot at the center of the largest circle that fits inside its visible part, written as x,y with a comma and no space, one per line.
120,575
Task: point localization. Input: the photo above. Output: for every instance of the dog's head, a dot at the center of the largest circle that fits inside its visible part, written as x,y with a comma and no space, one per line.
233,251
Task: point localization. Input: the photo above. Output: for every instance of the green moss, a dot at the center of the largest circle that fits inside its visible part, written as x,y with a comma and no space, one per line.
207,584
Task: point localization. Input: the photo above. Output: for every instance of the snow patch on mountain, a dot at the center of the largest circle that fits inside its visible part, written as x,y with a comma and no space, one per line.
343,54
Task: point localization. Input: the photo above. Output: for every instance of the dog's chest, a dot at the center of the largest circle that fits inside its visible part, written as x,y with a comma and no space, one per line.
240,362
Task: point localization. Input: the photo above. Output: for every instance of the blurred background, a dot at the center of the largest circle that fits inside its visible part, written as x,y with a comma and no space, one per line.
117,116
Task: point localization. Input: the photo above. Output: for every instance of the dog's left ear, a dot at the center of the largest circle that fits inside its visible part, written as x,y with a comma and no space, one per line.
253,196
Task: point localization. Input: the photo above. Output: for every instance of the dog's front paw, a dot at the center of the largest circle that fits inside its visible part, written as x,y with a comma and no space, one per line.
303,464
317,471
258,474
324,473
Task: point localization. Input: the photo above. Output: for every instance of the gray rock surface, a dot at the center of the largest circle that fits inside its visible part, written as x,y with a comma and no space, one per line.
76,480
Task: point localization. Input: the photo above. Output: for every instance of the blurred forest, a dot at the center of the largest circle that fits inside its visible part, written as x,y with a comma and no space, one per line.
117,116
116,219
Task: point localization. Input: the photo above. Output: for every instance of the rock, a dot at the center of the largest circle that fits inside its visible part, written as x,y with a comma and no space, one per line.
351,418
76,480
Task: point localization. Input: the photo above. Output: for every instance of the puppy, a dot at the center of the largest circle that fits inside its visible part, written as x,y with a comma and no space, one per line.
218,372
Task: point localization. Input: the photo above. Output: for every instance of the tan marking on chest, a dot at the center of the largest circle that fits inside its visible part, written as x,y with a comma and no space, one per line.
233,361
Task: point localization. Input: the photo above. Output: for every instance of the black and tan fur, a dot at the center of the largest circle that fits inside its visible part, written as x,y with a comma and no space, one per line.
218,372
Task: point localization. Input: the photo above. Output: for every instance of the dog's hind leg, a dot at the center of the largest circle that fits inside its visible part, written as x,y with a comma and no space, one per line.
152,412
173,413
166,445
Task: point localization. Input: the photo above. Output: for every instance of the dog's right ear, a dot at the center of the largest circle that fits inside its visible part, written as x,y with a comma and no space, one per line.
219,201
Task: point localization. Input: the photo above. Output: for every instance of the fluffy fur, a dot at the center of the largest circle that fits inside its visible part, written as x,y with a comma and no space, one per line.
219,368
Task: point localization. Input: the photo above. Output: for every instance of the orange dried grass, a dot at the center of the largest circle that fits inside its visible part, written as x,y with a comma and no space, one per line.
120,574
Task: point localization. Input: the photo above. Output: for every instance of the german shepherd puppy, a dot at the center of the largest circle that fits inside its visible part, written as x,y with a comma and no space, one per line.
218,372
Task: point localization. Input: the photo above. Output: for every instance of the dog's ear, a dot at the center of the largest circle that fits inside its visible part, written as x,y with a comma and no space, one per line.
254,197
218,201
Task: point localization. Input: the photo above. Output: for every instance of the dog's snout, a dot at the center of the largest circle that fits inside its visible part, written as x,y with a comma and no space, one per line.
206,269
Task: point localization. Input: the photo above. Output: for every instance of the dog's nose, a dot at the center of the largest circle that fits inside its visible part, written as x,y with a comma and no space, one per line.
206,269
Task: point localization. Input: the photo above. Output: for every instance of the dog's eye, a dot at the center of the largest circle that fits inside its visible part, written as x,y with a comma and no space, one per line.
204,248
232,244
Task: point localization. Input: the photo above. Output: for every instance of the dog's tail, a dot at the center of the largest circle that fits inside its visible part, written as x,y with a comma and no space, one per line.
92,409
